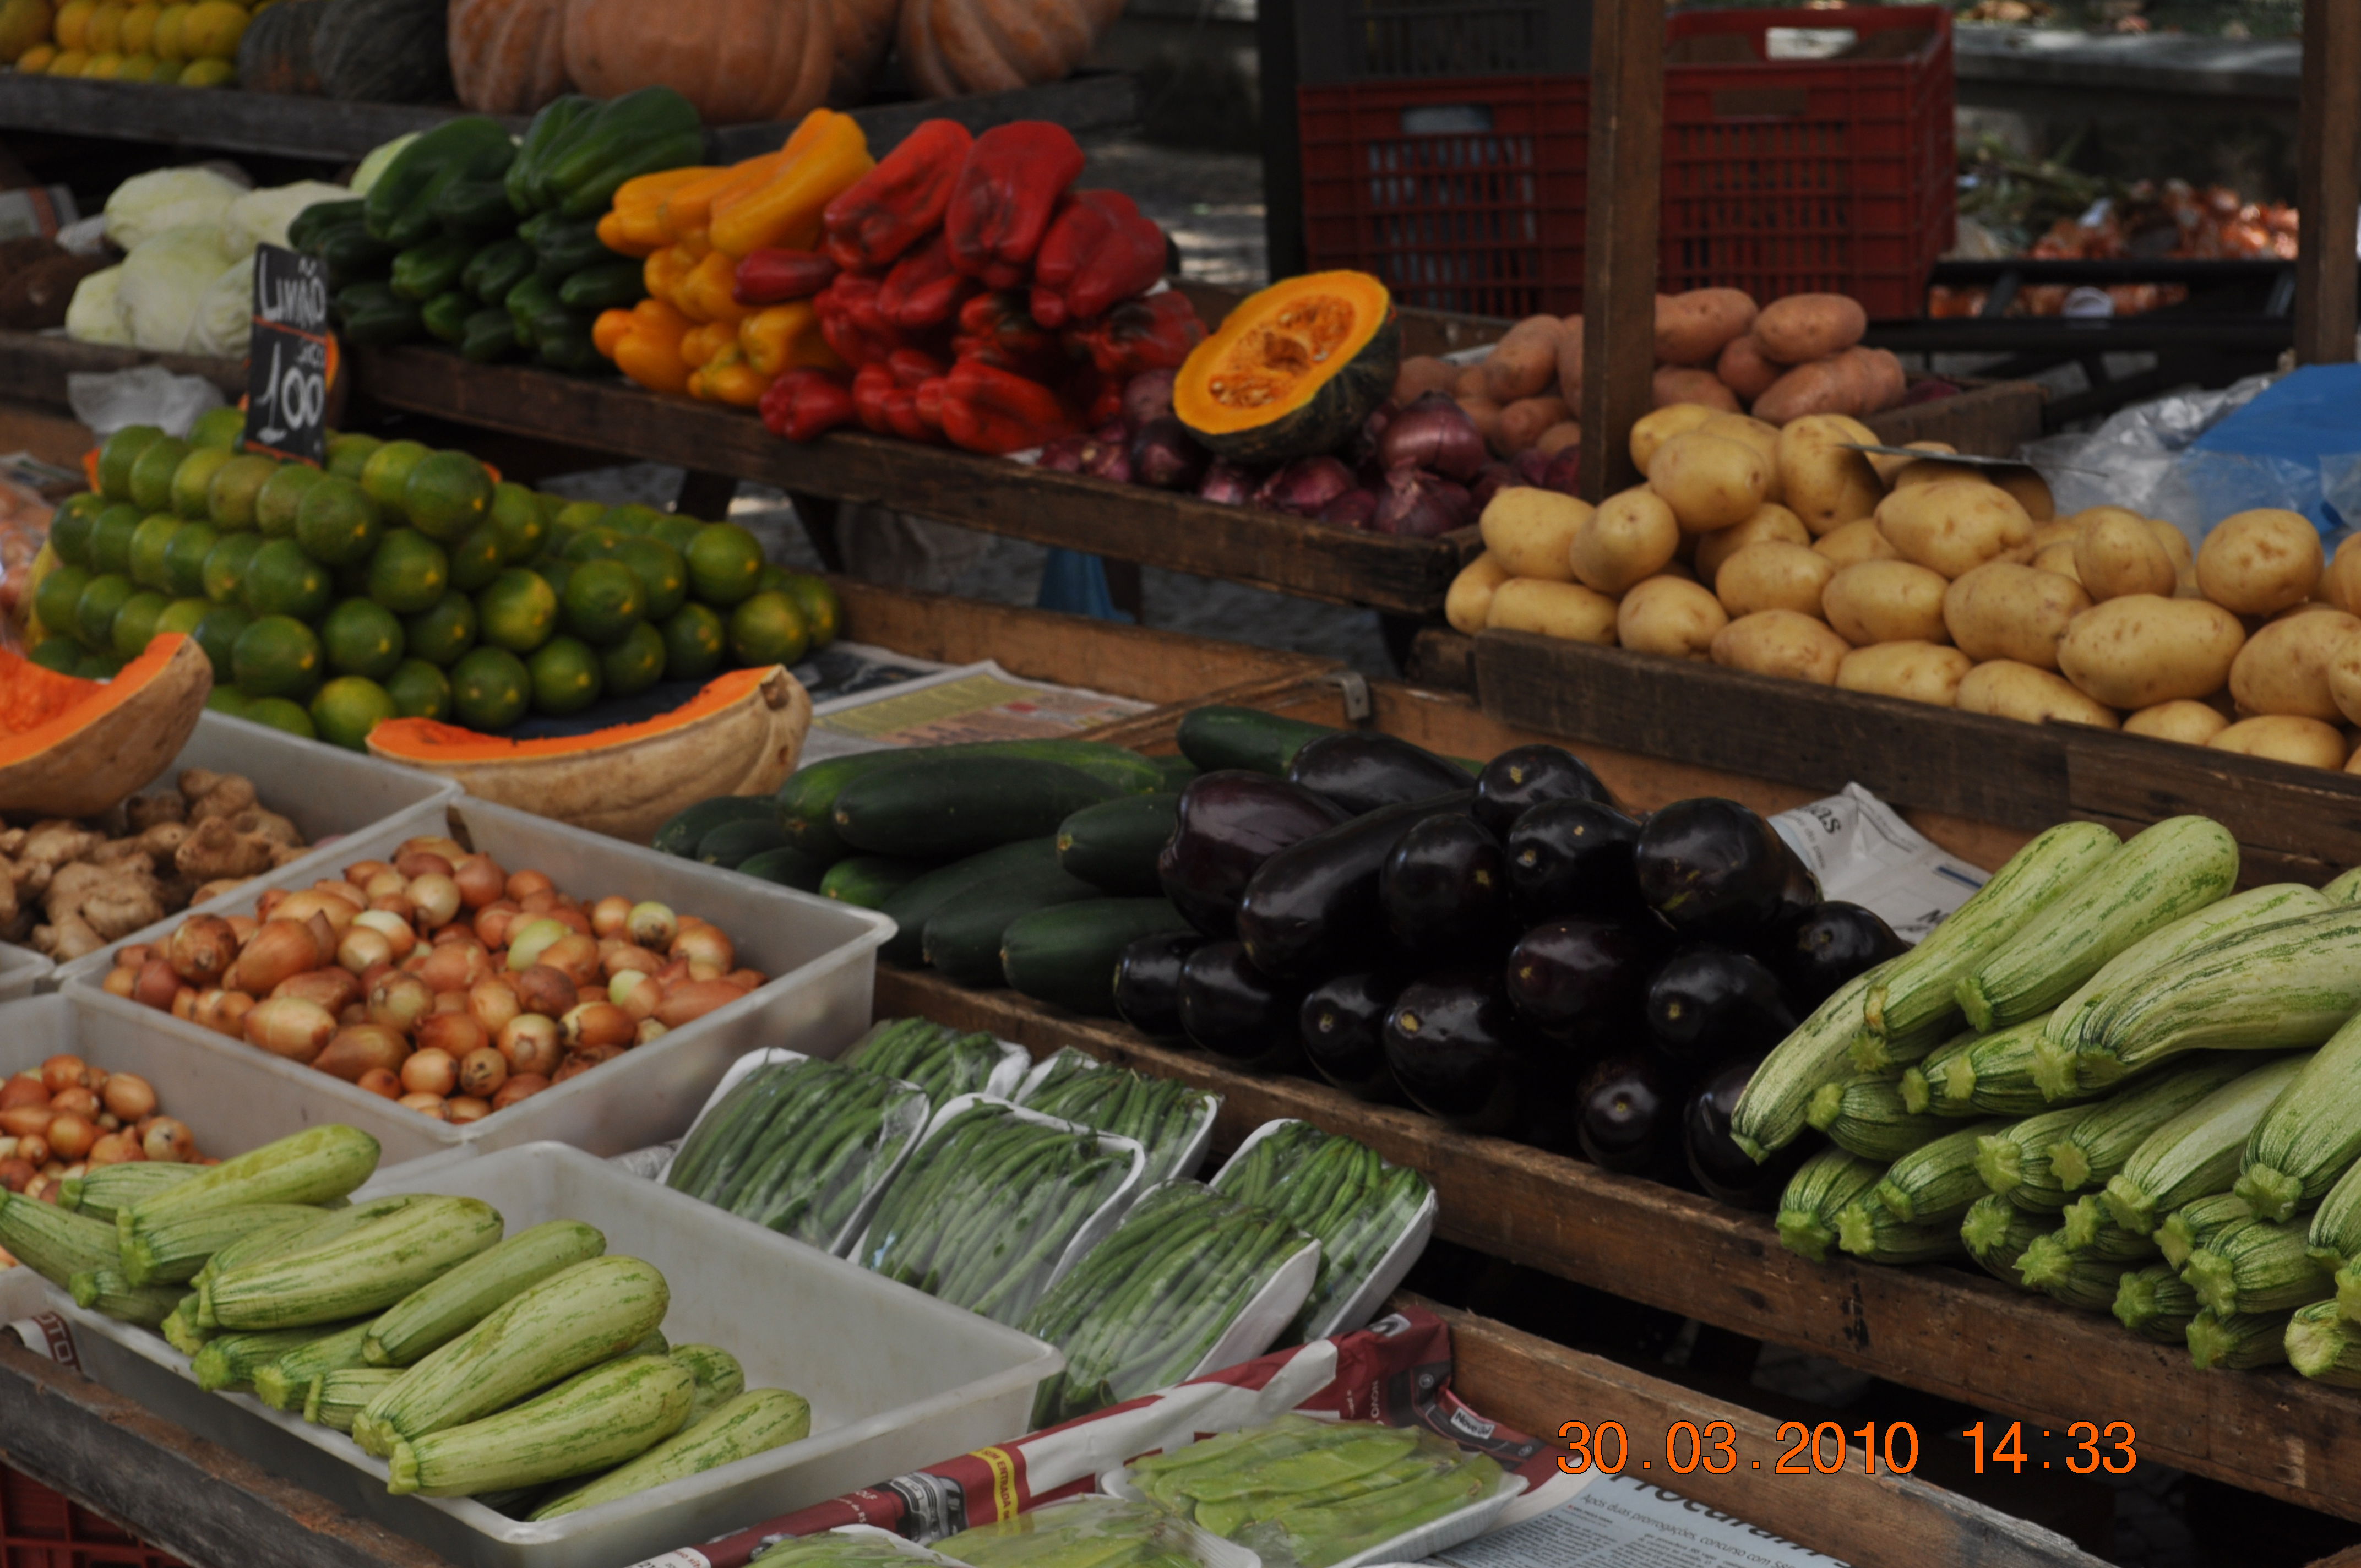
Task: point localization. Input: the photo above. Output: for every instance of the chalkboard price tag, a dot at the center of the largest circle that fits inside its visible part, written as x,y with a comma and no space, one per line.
289,356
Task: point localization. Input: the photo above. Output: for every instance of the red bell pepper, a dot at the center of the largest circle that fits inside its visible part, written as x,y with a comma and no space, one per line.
1155,332
923,290
896,204
851,321
1007,194
989,410
913,366
776,277
870,385
1099,251
999,329
803,405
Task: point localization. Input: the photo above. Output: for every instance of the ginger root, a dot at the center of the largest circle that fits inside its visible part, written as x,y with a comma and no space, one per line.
210,794
89,905
142,812
216,851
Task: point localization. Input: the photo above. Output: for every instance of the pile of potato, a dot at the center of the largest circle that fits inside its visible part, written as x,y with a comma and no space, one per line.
1783,551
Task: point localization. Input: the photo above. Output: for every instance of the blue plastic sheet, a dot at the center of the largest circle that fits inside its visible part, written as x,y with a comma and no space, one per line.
2293,447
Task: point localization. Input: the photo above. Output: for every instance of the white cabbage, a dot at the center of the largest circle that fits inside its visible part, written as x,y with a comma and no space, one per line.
260,217
225,314
165,279
147,204
93,316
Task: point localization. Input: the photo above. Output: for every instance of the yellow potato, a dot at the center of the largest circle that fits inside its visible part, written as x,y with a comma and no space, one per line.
1953,528
1916,672
2175,545
2256,562
2342,578
2118,553
1887,465
1565,610
1470,599
2061,530
2283,668
2001,610
1628,540
1671,616
2344,678
1820,479
1758,433
2031,490
1887,601
2006,689
1856,542
1772,575
2140,650
1781,642
1933,471
1709,481
2059,558
2190,723
2285,738
1768,521
1654,430
1532,531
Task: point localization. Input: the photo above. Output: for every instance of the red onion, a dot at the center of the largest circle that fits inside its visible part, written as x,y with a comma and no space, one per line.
1532,467
1421,504
1108,459
1063,455
1373,431
1227,483
1303,486
1354,509
1162,454
1927,392
1565,474
1434,433
1148,396
1496,478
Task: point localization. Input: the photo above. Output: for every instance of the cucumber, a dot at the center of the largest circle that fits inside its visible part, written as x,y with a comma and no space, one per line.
1114,845
915,902
317,1165
752,1422
1218,737
436,1313
741,840
807,800
869,880
1066,954
367,1271
949,807
1176,772
962,937
689,827
596,1421
788,866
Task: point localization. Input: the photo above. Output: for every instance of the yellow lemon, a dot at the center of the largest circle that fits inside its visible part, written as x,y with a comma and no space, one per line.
208,73
167,71
69,62
104,32
212,30
22,24
37,58
73,22
137,34
102,67
136,68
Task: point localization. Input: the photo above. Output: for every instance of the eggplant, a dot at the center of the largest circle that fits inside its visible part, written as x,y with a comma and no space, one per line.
1713,869
1313,908
1361,771
1800,894
1446,886
1343,1023
1460,1053
1229,822
1830,945
1234,1009
1708,1003
1524,776
1564,974
1147,980
1719,1166
1629,1114
1572,857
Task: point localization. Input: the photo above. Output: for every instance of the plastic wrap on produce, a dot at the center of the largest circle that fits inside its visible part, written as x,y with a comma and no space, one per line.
2134,459
940,1060
1371,1219
1106,1532
1171,1121
1864,853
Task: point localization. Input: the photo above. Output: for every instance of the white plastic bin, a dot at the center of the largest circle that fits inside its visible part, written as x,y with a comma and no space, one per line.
22,973
821,956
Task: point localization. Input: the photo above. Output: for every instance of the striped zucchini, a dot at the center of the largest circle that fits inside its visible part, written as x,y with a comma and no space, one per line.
1770,1113
2075,1280
99,1192
2196,1153
2087,1228
317,1165
52,1243
1927,1082
595,1421
720,1379
2107,1134
2276,987
173,1251
2344,888
2171,870
1864,1115
2324,1345
576,1318
747,1424
277,1242
1990,1075
364,1272
2335,1235
2256,1265
2349,1289
106,1292
231,1360
2191,1225
286,1383
2309,1136
1821,1187
180,1327
2156,1304
1996,1231
1920,987
440,1312
1871,1231
2237,1343
2223,917
2014,1161
1936,1181
336,1399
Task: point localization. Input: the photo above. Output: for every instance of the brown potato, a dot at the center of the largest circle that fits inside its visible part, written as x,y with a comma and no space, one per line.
1693,328
2059,558
1674,385
2190,723
2140,650
1709,481
1565,610
2283,668
2001,610
1569,361
1655,428
2006,689
2118,553
1558,437
1523,364
1820,387
1671,616
2285,738
1821,479
1781,642
1856,542
1915,672
2342,581
1933,471
2031,490
1772,575
1469,602
2344,678
2259,560
1523,422
1471,383
1881,375
1530,531
1810,326
2058,531
1421,374
1955,528
1768,521
1887,601
1744,370
1628,540
1887,465
1486,413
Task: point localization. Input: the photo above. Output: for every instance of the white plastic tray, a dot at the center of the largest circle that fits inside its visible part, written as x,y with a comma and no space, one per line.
1200,1136
896,1378
1394,1266
22,973
821,954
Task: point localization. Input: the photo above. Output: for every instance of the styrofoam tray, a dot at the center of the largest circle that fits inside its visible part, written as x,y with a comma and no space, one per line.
22,973
1200,1136
1393,1265
821,956
896,1378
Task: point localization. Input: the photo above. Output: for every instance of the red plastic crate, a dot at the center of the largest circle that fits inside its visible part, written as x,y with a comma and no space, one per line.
1780,176
38,1529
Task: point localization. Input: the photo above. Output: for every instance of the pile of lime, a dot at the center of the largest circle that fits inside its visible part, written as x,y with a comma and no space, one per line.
400,581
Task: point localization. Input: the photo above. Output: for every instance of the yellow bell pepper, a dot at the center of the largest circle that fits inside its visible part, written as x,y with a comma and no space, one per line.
612,328
728,378
648,351
690,205
708,292
785,211
633,225
665,271
699,345
779,338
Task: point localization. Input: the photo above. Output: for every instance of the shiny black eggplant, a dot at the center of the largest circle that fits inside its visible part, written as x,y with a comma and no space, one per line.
1460,1053
1719,1166
1708,1003
1229,824
1362,770
1234,1009
1563,975
1523,776
1572,857
1445,887
1628,1114
1713,869
1828,947
1800,894
1343,1023
1313,908
1147,980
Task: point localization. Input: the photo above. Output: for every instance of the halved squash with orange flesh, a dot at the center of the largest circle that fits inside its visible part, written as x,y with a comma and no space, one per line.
74,747
1294,369
740,735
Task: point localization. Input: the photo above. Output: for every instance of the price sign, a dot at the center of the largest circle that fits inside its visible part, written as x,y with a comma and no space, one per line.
289,356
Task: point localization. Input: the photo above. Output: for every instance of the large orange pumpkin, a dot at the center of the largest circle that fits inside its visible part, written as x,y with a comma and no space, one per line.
955,47
864,31
508,57
74,747
738,60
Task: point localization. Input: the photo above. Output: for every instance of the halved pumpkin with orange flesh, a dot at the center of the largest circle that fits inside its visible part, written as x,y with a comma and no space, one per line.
740,735
74,747
1293,370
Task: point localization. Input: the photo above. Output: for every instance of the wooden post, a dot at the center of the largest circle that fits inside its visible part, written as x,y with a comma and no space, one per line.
1282,148
1619,293
2328,181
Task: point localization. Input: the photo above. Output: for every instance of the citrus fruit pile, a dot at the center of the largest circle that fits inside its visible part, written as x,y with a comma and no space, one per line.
400,582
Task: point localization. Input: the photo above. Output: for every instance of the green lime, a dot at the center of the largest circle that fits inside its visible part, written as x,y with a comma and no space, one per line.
772,580
361,637
440,633
279,500
280,714
347,708
491,689
338,522
388,470
54,600
225,563
768,630
96,666
277,656
60,654
661,572
71,528
677,531
409,573
135,624
193,479
148,542
823,614
519,524
695,643
576,515
350,453
724,561
448,495
217,635
227,698
352,578
549,505
633,518
185,558
110,538
182,616
232,499
635,663
223,429
419,690
595,542
517,611
476,560
93,620
282,580
556,574
603,602
565,676
115,458
151,474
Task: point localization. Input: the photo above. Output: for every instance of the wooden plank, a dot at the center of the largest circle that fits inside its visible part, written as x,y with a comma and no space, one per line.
1621,232
1878,1520
2328,183
1961,1336
1090,101
1442,660
34,367
1991,419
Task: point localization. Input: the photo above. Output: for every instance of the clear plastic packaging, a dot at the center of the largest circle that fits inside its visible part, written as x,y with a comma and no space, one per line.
1090,1533
1148,1306
850,1546
1169,1120
938,1059
1371,1219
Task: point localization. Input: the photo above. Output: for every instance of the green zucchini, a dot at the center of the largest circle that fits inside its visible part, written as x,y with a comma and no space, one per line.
2291,983
52,1243
787,867
1927,1084
2014,1161
688,827
2106,1136
231,1360
2256,1265
2237,1342
2079,1281
913,904
317,1165
286,1383
946,808
440,1312
300,1235
2325,1346
1874,1233
1114,845
366,1271
2345,887
962,937
1066,954
1865,1114
103,1189
719,1377
1995,1233
107,1291
173,1251
2087,1226
2193,1225
868,881
1219,737
1775,1107
2226,916
1936,1181
1822,1187
595,1421
2336,1234
746,1424
738,840
2196,1153
2309,1136
2154,1304
336,1399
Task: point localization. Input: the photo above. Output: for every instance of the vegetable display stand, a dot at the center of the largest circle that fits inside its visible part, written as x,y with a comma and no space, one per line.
39,1525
